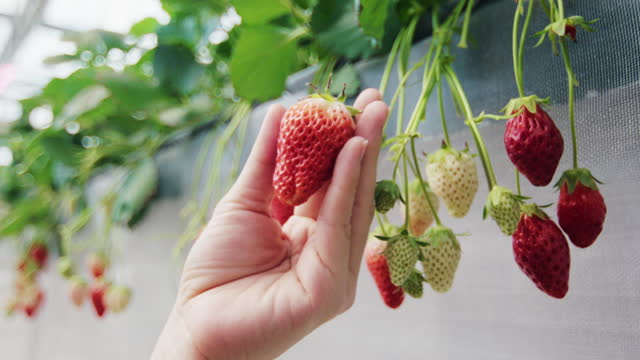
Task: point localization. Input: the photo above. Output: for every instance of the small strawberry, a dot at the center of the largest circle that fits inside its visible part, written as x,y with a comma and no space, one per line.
504,208
440,258
541,251
97,297
280,211
402,254
386,195
117,298
97,263
77,291
532,140
392,295
413,286
312,133
452,175
581,207
65,267
420,215
39,254
32,300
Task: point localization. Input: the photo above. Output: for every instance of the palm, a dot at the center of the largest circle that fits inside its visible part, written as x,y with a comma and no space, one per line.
251,286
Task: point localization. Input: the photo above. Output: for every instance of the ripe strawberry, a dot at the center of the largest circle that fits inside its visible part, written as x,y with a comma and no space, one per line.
97,263
413,286
32,300
77,291
441,258
117,298
280,211
420,215
402,255
312,133
386,195
392,295
39,254
541,251
581,208
504,208
97,297
452,175
534,144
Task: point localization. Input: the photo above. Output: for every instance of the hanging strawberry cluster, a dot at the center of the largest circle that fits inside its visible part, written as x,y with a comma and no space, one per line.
534,145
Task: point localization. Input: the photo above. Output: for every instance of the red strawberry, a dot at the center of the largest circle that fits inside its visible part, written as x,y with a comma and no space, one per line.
541,251
312,133
280,211
581,208
534,144
97,297
97,263
32,300
392,295
39,254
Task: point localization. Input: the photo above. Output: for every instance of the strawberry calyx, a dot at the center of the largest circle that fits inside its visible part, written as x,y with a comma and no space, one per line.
515,105
331,99
533,209
438,235
496,196
574,176
443,152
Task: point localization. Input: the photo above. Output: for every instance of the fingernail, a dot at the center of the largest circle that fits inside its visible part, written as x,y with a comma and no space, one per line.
363,148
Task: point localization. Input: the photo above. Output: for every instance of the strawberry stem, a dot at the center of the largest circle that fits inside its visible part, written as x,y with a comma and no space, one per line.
572,85
406,189
518,181
422,186
390,60
384,231
443,118
461,98
465,26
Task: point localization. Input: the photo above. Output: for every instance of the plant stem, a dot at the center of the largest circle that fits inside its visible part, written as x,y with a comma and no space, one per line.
406,189
458,92
561,9
422,186
445,130
390,60
517,180
523,37
384,231
465,25
403,61
572,85
514,50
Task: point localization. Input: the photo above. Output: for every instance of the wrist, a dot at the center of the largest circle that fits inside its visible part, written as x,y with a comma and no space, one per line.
175,341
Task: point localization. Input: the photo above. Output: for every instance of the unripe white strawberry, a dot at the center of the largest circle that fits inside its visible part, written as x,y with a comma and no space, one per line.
453,176
402,255
441,258
117,298
420,214
77,291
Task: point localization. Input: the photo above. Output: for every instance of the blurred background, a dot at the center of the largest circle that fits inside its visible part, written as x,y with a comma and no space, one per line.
122,123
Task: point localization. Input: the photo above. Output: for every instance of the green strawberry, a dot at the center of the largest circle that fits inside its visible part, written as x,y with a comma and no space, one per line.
413,285
402,255
441,258
420,215
453,177
386,195
504,207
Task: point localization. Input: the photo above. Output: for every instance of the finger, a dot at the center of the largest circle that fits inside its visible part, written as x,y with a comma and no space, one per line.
331,238
311,208
370,128
254,186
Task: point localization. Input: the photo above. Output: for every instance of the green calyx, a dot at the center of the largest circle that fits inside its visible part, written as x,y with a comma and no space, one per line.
387,193
443,152
573,176
438,235
533,209
530,102
326,95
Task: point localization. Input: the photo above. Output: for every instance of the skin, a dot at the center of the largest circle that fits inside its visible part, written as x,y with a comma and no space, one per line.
251,288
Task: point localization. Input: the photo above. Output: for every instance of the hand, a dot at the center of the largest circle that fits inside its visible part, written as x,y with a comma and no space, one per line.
251,288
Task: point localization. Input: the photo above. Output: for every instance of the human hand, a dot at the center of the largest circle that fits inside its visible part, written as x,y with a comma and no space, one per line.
251,288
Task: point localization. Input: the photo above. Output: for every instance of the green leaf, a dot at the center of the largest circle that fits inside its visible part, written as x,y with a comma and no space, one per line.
346,75
180,31
176,68
259,11
262,59
379,19
59,147
335,23
144,26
